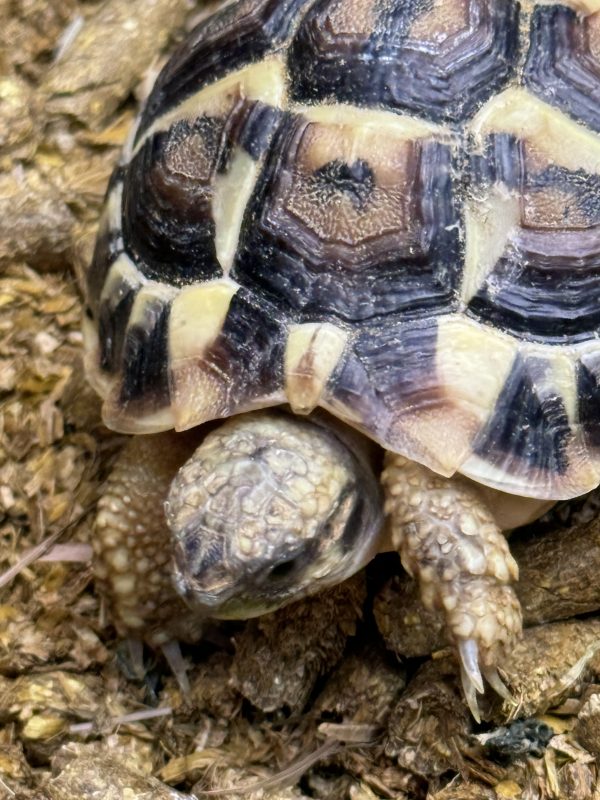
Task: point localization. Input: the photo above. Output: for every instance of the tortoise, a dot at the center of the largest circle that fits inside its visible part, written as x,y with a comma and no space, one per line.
348,228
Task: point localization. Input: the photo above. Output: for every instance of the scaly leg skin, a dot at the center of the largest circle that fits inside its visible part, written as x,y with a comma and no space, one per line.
132,547
447,538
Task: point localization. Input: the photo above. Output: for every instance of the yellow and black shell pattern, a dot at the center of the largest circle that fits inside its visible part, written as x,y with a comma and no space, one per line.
386,208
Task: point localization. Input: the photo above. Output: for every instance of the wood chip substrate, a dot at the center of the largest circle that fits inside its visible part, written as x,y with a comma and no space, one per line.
350,695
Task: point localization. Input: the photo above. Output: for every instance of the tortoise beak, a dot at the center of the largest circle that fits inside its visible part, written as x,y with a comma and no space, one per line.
201,578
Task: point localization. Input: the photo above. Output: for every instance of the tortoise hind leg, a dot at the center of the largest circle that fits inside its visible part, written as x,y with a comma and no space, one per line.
448,539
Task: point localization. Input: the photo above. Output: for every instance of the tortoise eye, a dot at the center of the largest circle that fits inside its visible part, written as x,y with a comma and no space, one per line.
283,569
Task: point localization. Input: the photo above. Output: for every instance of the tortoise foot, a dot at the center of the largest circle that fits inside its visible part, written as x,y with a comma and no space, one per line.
447,538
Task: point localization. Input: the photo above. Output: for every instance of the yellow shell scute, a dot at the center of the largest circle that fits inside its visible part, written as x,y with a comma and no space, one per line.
312,352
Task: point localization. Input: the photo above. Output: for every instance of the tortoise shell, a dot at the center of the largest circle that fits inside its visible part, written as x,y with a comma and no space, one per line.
386,208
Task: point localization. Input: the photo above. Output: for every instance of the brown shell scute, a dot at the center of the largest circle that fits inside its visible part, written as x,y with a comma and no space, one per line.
167,220
391,210
370,221
437,59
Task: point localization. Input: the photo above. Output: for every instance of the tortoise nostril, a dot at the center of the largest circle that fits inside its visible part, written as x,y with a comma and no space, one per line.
190,547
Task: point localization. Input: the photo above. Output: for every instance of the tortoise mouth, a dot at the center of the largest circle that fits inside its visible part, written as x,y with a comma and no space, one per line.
212,592
226,604
203,589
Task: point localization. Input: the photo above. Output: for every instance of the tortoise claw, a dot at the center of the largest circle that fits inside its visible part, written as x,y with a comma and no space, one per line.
470,674
172,653
469,660
136,657
495,681
472,680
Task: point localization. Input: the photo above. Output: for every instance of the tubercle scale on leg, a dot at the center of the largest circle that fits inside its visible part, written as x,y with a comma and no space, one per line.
448,539
132,545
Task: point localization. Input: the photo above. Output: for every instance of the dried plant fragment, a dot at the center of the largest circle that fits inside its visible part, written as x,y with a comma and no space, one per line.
587,727
109,778
548,664
558,573
363,688
429,725
95,72
407,627
460,790
29,32
19,111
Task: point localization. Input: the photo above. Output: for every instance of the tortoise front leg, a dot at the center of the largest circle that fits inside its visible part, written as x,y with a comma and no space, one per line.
133,549
448,539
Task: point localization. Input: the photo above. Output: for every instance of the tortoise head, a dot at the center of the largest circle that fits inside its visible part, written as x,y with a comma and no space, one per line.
268,509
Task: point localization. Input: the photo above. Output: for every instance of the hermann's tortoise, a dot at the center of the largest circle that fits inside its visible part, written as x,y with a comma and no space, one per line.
388,210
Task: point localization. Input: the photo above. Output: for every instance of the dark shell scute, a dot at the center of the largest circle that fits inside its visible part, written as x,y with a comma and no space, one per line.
588,392
402,359
501,162
546,284
328,238
443,76
253,338
240,34
560,67
167,216
544,296
389,367
257,128
109,245
529,429
440,220
113,318
146,353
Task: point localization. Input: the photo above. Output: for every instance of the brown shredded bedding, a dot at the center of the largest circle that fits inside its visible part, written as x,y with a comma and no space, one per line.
352,694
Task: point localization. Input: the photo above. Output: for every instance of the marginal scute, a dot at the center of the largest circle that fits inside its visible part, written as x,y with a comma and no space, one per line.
146,350
472,363
197,318
312,352
563,64
439,59
386,384
351,220
235,365
118,295
100,381
109,240
532,444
